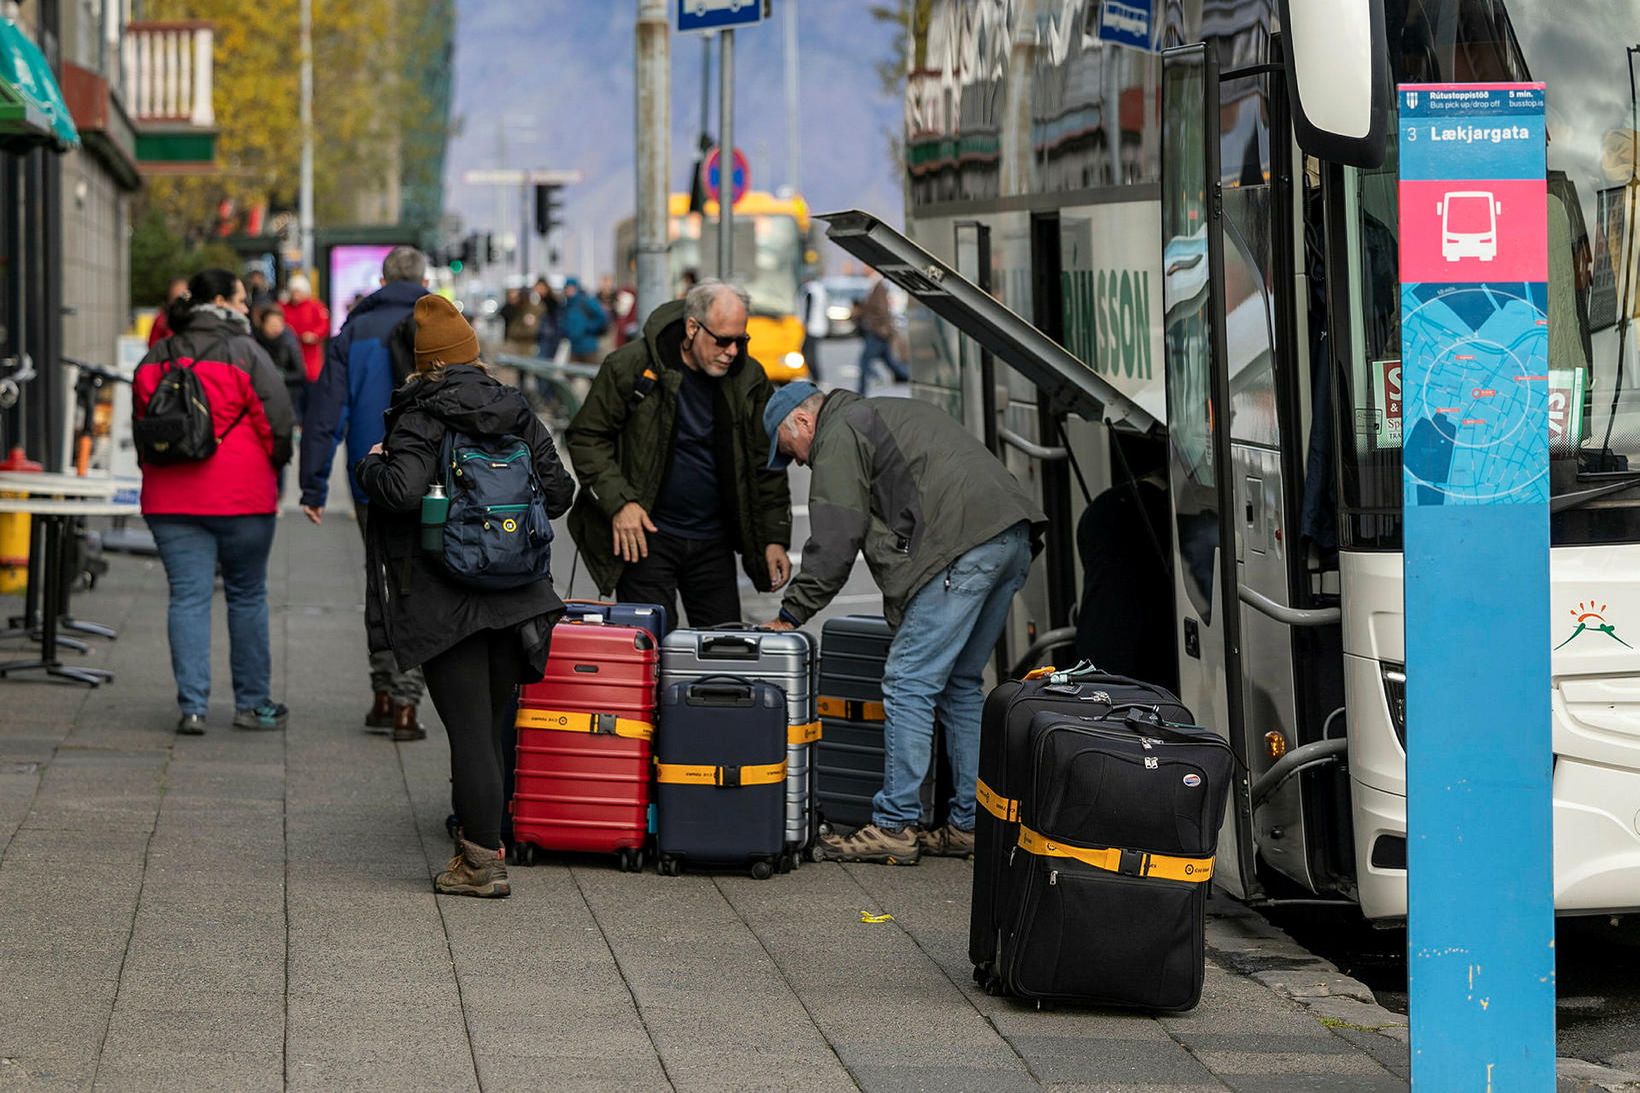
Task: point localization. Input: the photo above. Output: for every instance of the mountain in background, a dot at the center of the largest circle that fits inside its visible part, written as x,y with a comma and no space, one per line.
550,84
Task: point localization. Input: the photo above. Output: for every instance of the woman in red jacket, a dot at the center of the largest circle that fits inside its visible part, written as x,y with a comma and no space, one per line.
220,509
311,321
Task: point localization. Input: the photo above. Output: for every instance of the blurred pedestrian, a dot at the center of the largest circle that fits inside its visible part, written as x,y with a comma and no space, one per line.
279,342
874,317
547,332
520,319
219,509
358,381
257,292
475,646
688,280
311,321
161,326
583,322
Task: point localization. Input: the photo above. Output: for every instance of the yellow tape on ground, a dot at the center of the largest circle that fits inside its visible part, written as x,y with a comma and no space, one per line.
685,774
803,734
595,723
1003,808
1162,866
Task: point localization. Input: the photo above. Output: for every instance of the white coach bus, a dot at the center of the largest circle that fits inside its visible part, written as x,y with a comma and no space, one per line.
1186,257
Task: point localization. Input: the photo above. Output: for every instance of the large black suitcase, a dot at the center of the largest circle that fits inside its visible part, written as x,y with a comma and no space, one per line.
848,757
720,773
1003,761
1118,825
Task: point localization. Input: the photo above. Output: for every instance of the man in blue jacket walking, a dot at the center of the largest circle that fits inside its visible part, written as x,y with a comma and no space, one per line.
350,397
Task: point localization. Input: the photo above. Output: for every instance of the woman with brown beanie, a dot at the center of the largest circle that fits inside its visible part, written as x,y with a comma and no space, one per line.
475,646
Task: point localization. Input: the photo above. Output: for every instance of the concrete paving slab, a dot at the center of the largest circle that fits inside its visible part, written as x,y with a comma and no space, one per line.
140,1070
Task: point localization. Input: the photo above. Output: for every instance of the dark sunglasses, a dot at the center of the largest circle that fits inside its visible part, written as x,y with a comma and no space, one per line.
739,343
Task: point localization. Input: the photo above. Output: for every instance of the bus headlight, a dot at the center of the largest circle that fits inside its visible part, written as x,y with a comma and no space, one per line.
1395,693
794,361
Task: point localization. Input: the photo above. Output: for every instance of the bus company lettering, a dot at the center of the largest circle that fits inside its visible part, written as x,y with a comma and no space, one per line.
1108,321
1479,134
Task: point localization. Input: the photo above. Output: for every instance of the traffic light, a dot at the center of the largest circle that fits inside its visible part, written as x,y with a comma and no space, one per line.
491,254
548,213
467,254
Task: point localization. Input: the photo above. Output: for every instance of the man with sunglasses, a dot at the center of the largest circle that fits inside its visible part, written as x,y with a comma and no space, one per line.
671,454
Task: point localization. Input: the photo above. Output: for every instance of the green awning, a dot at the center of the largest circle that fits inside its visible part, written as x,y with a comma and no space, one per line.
32,110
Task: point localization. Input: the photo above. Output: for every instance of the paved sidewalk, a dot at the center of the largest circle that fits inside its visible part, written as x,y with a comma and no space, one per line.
254,911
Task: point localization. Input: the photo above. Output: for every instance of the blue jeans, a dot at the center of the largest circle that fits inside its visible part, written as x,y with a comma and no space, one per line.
937,661
191,547
878,349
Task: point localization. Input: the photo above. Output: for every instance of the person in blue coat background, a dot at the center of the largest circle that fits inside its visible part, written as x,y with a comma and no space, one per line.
582,322
350,398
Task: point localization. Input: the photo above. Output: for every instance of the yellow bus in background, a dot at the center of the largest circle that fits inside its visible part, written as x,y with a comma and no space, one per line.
773,256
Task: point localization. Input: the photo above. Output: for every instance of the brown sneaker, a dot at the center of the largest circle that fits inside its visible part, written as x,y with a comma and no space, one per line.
405,725
946,842
872,844
380,718
475,871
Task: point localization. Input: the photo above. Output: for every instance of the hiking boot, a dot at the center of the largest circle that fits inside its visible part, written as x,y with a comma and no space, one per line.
405,725
475,871
380,718
192,724
872,844
269,715
949,841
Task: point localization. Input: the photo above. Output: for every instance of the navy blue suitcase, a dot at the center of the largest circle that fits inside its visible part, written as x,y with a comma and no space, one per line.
720,773
644,616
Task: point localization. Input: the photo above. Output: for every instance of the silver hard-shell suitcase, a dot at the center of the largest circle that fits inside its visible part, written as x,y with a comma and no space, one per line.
785,658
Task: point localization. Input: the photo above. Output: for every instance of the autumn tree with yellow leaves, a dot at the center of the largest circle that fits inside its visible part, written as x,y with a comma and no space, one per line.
372,113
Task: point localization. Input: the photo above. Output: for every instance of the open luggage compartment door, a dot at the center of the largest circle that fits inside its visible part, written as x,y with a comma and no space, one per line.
1065,382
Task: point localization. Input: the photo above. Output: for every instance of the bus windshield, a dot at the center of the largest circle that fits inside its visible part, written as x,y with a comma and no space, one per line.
768,255
1594,367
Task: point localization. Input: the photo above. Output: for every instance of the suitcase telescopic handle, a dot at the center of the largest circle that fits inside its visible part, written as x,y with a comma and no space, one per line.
735,647
722,690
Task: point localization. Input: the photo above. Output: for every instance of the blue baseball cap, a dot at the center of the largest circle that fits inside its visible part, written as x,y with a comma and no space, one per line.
780,406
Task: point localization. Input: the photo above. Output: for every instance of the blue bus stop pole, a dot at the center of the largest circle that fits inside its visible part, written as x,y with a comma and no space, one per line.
1475,448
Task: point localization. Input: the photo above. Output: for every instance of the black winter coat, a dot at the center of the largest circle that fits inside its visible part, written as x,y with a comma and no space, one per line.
412,608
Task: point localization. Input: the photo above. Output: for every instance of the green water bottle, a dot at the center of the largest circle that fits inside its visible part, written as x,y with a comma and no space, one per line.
435,508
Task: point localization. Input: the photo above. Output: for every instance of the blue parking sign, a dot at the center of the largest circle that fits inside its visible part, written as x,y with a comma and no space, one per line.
1127,22
707,15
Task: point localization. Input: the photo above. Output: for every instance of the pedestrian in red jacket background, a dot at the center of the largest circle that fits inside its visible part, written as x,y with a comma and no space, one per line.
311,321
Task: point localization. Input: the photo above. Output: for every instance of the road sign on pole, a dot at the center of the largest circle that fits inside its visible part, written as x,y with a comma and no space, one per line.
711,15
1127,23
740,176
1474,398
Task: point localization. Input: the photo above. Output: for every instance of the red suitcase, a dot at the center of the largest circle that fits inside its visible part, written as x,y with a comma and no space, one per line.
584,736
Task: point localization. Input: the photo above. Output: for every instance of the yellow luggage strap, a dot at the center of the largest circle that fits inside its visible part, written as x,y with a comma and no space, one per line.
685,774
598,724
851,709
1003,808
803,734
1130,863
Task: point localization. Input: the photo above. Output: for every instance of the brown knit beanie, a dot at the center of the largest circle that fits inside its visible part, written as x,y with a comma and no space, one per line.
442,335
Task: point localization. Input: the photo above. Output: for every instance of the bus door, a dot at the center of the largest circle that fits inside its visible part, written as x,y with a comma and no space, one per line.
1200,465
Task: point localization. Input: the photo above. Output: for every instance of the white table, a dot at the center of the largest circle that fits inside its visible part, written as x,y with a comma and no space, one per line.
54,501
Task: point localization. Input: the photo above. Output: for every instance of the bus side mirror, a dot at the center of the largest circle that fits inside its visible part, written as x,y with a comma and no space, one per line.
1338,79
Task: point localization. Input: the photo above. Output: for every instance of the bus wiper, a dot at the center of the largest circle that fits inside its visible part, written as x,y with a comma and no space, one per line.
1566,501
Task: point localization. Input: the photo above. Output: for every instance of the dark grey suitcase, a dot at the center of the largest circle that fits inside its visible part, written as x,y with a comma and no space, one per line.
785,659
848,759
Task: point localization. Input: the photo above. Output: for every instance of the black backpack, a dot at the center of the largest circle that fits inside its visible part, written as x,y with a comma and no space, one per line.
497,534
176,426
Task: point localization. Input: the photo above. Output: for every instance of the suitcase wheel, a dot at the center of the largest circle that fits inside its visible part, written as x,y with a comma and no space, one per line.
523,854
816,854
788,861
631,859
762,870
669,867
452,824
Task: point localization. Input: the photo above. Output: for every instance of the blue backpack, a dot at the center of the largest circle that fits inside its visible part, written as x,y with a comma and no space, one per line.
497,534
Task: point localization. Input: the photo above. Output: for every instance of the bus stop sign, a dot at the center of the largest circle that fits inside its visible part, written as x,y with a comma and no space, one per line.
1474,397
1127,22
711,171
709,15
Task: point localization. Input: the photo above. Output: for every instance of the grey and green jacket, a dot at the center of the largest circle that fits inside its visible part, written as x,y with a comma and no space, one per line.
620,446
904,483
